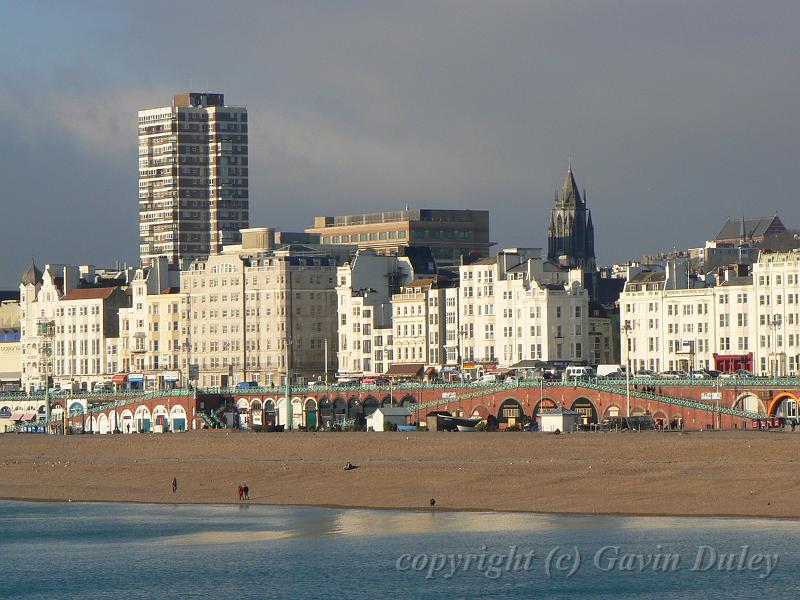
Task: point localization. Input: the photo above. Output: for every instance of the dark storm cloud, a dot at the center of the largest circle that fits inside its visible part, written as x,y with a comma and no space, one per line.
677,114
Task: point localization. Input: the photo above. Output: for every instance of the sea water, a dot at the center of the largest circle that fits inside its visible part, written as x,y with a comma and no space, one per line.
104,550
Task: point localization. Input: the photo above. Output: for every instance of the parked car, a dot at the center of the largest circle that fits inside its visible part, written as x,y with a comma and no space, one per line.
705,374
645,374
738,374
614,375
552,375
673,375
374,381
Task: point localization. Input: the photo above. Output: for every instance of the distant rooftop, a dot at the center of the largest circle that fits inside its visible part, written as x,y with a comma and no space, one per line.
394,216
749,229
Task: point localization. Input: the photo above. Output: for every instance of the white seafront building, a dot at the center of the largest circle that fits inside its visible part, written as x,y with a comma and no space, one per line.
516,306
69,325
672,321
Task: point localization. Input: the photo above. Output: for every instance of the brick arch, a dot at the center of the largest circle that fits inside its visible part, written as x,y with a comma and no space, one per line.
370,404
325,409
482,410
660,415
609,408
512,404
546,403
739,402
777,399
407,399
339,405
583,404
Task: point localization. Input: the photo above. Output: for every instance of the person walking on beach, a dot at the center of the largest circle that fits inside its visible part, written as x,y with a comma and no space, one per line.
174,484
241,492
246,491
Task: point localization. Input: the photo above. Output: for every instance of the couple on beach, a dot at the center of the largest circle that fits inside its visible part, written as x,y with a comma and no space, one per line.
244,492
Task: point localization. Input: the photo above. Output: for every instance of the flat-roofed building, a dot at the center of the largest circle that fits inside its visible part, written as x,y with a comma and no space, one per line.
255,312
450,234
193,177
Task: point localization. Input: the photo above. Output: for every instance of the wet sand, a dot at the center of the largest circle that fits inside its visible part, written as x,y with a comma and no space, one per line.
652,473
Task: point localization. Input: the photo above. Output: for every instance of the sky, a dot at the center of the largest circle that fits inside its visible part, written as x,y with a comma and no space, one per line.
676,114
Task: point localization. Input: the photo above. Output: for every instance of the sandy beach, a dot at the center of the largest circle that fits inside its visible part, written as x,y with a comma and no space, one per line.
652,473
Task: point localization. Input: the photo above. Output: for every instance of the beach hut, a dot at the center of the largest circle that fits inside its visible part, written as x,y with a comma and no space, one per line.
560,418
387,415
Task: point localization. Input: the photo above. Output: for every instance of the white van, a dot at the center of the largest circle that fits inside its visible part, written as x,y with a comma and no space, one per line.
579,372
488,378
605,370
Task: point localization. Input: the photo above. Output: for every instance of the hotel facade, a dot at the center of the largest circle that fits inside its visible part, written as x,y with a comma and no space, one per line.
736,320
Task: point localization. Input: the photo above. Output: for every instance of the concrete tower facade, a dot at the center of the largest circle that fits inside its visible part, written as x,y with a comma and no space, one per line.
193,177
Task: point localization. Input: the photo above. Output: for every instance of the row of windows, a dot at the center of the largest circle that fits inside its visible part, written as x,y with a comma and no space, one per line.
374,236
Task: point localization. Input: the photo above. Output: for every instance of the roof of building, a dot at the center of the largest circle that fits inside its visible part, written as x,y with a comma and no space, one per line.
32,275
489,260
420,283
421,258
405,370
750,228
90,293
388,411
649,277
607,290
560,411
743,280
528,363
171,290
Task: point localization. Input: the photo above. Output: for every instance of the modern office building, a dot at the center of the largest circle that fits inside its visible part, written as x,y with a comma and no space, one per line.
193,177
450,234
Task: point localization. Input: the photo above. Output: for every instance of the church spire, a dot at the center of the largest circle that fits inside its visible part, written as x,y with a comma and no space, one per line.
742,232
569,190
570,231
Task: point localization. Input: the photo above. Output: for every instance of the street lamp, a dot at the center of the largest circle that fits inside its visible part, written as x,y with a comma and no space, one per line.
627,327
461,334
326,361
47,331
774,323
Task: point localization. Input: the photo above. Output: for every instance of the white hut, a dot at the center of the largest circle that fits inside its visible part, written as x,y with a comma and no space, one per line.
381,416
560,418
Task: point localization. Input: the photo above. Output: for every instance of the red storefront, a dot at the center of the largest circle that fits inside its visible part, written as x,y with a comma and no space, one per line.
728,363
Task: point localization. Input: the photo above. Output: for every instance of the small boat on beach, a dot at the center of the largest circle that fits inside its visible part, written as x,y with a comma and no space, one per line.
463,423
